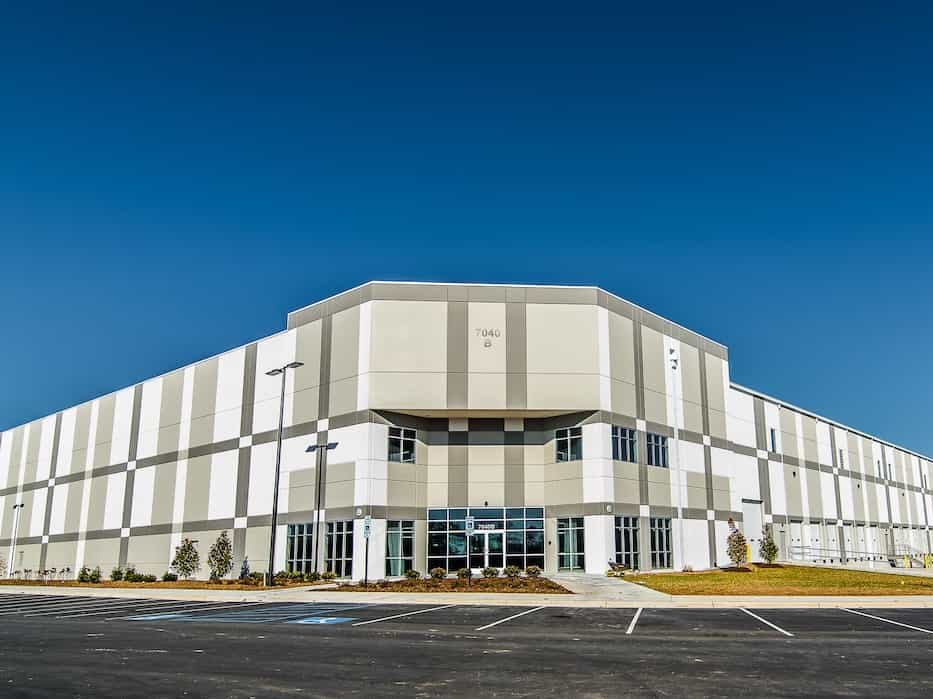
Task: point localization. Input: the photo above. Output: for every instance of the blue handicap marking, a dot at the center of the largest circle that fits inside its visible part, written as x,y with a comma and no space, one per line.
322,620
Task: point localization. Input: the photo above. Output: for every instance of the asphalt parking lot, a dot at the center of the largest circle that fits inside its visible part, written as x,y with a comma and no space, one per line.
83,646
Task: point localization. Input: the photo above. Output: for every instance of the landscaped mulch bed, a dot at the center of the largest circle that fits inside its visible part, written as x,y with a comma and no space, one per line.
533,585
179,585
784,580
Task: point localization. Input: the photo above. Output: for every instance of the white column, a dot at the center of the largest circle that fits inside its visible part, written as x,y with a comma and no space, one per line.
598,542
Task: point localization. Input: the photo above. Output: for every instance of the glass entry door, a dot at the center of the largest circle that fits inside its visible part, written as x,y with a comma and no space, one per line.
570,543
486,550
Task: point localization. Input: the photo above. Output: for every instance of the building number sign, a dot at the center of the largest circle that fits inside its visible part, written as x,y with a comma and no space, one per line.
488,335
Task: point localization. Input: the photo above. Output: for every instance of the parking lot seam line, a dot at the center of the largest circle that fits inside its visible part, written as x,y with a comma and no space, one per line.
399,616
765,621
631,627
889,621
508,618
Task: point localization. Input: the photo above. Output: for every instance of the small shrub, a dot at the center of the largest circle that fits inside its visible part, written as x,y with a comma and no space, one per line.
312,576
736,546
254,578
187,561
220,557
490,572
512,571
465,573
84,575
768,549
116,574
533,572
94,575
328,575
169,576
412,575
438,573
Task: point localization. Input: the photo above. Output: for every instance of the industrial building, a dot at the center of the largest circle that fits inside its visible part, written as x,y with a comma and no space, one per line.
564,426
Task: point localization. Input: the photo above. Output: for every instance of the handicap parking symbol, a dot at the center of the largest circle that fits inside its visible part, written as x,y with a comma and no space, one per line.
322,620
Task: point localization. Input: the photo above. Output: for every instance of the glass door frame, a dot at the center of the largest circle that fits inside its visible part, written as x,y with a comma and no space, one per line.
494,559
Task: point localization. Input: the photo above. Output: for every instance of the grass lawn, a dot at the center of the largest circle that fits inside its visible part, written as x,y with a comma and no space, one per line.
523,584
784,580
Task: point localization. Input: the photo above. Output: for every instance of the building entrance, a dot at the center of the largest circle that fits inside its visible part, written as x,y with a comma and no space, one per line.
487,550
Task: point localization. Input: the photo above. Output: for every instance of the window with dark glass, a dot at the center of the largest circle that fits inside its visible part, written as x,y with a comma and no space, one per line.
657,450
522,529
401,445
662,554
339,554
623,444
570,540
627,542
773,440
400,546
569,444
299,556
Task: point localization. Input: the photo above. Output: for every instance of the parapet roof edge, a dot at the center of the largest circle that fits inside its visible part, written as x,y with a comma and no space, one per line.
536,286
828,421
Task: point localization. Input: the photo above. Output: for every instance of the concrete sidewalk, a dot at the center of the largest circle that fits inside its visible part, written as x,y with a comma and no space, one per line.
591,591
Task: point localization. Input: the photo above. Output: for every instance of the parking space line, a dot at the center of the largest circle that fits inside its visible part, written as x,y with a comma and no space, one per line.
888,621
766,622
46,604
399,616
78,608
88,611
177,605
29,600
631,627
208,609
508,618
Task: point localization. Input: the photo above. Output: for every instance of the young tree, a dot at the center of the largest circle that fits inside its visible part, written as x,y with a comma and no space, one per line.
768,549
220,557
736,545
187,561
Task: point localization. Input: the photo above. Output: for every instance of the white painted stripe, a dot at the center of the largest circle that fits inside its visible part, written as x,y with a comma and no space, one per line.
399,616
631,627
768,623
31,599
888,621
95,611
178,604
203,609
96,608
508,618
47,603
88,604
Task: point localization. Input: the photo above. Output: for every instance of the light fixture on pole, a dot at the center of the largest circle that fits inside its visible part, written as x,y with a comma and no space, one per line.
320,450
16,512
281,371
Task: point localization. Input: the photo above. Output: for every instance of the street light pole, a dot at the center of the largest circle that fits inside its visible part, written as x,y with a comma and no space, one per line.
16,513
270,576
320,450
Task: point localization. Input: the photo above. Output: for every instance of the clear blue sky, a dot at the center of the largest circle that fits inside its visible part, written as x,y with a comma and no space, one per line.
174,180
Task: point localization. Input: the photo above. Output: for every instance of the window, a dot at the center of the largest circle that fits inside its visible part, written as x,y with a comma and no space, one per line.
401,445
400,546
569,444
773,440
880,473
842,463
570,543
657,450
627,542
523,528
623,444
299,556
661,549
340,548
